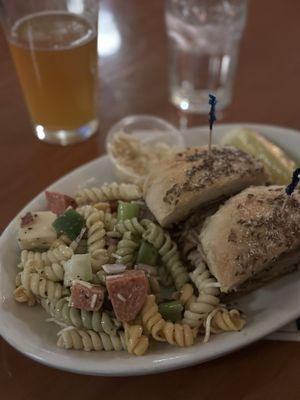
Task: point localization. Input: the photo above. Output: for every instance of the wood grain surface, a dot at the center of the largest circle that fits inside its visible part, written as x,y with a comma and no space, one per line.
133,80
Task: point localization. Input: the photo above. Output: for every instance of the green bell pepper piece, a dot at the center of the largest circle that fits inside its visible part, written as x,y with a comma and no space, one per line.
69,223
171,310
147,254
127,210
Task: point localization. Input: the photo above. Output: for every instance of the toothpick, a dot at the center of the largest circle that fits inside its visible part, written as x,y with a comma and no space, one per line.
211,118
289,190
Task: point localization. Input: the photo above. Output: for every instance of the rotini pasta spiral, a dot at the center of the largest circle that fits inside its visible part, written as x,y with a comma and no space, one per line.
107,192
169,254
136,342
78,339
152,320
113,234
92,215
207,286
96,243
27,255
60,254
195,259
18,279
208,290
161,330
104,256
127,249
99,258
78,247
109,220
103,206
97,321
222,320
186,295
133,226
23,295
56,255
63,239
96,237
54,272
111,250
181,335
98,223
39,286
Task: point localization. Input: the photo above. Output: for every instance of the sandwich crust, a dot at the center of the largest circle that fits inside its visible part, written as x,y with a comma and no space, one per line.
193,178
250,234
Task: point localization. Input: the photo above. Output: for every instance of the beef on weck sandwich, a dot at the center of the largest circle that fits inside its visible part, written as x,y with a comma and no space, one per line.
195,181
253,238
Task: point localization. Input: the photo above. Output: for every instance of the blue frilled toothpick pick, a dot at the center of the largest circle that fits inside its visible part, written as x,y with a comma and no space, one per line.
295,180
289,190
211,118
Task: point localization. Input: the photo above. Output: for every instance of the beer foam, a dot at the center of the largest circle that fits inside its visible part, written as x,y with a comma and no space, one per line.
55,30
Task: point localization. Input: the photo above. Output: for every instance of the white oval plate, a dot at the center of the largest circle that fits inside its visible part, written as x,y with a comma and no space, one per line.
25,328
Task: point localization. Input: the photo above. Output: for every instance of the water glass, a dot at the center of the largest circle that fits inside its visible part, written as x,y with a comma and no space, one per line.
204,37
54,47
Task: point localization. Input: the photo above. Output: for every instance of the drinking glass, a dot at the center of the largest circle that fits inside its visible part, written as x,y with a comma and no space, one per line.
53,44
204,38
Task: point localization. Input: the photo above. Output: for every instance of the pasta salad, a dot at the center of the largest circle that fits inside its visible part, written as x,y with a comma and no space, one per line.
112,278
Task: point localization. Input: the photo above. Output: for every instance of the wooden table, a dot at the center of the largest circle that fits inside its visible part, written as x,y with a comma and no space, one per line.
134,81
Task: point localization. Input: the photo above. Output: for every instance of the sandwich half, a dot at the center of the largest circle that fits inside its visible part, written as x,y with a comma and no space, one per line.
195,180
253,238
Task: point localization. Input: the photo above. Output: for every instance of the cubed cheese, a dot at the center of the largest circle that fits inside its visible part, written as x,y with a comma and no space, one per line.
78,268
38,234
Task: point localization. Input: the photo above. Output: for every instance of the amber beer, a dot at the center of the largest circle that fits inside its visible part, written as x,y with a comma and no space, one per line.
56,60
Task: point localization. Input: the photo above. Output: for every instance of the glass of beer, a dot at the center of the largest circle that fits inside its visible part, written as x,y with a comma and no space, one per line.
54,47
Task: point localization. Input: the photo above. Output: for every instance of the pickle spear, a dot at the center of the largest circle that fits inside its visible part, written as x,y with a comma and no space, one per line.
279,166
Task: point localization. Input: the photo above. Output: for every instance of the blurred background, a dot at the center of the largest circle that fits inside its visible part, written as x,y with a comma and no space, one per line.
133,79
